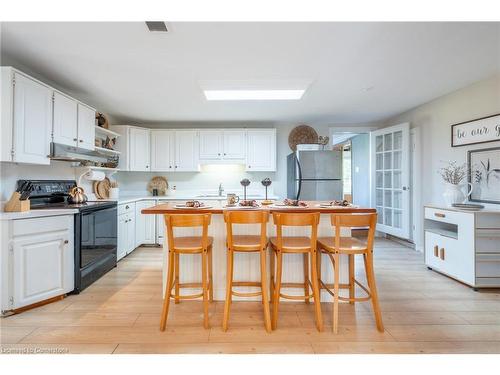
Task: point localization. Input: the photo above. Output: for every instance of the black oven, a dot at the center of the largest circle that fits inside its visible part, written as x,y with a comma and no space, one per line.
95,243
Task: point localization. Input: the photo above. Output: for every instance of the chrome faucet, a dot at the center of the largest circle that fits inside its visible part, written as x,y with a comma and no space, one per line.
221,190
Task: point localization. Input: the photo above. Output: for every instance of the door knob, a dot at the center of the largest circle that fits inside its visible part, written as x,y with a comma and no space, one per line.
66,241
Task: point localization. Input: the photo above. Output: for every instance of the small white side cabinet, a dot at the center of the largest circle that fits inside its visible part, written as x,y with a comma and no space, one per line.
37,260
464,245
26,118
126,229
261,150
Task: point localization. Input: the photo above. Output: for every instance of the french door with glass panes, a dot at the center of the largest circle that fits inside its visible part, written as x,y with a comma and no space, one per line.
390,161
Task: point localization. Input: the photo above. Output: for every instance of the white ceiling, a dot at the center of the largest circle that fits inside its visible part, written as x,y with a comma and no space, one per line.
135,75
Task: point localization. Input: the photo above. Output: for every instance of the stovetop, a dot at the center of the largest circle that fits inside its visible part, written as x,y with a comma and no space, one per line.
54,194
73,206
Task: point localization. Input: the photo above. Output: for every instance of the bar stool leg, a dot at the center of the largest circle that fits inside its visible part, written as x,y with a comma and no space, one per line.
263,285
306,276
277,288
272,266
204,275
336,293
370,276
168,290
316,292
210,277
351,278
177,287
229,289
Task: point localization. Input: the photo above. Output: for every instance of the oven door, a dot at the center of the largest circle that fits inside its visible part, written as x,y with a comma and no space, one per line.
98,234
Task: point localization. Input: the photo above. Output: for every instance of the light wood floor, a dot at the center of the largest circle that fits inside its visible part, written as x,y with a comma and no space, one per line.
423,312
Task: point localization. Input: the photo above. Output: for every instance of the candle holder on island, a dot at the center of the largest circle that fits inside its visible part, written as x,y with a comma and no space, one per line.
245,182
266,182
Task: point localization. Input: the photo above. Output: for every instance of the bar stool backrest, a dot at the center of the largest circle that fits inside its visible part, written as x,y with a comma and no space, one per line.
355,221
246,217
187,220
289,219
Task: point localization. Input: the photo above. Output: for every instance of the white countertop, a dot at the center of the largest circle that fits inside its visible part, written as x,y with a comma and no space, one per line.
181,197
36,213
488,209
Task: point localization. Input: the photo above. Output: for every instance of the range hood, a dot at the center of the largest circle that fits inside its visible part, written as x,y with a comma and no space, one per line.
74,154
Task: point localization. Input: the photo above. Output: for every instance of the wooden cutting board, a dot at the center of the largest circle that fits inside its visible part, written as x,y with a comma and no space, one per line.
101,188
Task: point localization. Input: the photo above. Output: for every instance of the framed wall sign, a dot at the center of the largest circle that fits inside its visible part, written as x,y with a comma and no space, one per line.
484,175
481,130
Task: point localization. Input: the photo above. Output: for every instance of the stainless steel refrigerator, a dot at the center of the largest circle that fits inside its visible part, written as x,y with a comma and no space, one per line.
315,175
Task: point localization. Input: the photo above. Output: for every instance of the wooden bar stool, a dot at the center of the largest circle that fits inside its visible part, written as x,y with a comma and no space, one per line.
246,244
188,245
334,246
295,245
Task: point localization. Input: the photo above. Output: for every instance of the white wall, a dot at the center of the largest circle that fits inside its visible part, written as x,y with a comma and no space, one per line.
434,120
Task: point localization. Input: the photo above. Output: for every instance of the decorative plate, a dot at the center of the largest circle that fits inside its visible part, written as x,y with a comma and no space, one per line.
160,183
101,188
302,134
184,207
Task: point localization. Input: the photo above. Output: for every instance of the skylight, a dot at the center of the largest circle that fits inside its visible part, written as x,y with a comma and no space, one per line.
253,94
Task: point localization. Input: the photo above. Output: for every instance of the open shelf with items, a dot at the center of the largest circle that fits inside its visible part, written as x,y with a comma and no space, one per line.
103,133
107,151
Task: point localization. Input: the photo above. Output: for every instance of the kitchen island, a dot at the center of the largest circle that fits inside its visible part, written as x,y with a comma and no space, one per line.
246,266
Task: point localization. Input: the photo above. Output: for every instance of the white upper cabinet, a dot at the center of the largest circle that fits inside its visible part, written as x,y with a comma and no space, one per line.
86,127
261,150
216,144
211,145
65,126
162,150
133,145
234,144
26,119
74,122
139,149
186,151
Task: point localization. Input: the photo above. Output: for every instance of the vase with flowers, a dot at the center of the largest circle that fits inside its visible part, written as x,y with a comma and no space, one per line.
453,175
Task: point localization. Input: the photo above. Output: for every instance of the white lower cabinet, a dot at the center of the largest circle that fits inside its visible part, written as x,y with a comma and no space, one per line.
126,229
464,245
144,224
134,228
38,262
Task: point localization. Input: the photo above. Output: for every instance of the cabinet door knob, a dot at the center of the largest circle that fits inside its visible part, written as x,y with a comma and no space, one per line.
147,166
127,207
441,253
436,250
81,140
170,166
224,154
66,241
249,166
75,139
218,154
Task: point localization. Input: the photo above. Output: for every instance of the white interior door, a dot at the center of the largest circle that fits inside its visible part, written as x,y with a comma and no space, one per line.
390,166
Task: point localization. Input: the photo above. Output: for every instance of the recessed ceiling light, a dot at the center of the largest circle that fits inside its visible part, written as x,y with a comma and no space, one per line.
253,94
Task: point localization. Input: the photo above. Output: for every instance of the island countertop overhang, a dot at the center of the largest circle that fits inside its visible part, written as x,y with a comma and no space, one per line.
219,208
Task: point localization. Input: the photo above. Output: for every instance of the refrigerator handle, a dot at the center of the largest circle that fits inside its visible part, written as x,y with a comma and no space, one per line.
300,178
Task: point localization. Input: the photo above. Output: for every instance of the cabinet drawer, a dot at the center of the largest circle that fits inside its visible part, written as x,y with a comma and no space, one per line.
126,208
22,227
488,220
488,265
445,216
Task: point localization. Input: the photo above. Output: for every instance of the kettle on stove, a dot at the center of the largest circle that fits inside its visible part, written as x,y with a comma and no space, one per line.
77,196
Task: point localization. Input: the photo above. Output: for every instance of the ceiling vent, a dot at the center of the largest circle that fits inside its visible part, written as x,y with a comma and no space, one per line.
157,26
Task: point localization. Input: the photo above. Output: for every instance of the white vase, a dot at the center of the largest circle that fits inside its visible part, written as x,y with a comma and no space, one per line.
454,193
